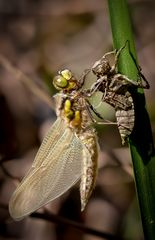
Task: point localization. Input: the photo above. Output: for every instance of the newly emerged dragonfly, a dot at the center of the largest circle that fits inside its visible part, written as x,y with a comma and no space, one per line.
67,154
116,91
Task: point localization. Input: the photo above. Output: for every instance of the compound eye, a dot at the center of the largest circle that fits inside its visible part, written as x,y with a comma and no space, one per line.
60,82
66,74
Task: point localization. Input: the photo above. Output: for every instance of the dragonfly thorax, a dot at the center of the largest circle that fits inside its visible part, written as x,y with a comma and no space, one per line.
71,114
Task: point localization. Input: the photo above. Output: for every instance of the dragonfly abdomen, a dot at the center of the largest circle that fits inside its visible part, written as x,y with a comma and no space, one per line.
89,166
125,122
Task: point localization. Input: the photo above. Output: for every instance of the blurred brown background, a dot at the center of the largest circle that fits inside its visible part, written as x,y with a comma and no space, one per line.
37,38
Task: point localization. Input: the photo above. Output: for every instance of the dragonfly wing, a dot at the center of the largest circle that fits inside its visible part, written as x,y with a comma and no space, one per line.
60,169
49,141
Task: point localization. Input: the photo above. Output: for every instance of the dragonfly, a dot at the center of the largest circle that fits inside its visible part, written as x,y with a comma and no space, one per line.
68,153
116,89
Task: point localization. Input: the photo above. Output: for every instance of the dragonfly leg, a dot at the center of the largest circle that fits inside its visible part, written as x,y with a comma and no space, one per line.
109,53
96,86
83,77
117,55
138,83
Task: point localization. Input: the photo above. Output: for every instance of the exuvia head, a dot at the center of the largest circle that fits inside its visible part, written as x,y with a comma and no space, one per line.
65,80
101,67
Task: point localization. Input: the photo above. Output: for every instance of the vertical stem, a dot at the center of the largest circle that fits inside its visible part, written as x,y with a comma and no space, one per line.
141,142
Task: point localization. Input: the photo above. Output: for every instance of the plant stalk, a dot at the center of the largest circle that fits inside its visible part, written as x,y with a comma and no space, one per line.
140,141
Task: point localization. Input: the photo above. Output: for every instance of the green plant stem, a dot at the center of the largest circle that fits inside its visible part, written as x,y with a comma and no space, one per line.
141,142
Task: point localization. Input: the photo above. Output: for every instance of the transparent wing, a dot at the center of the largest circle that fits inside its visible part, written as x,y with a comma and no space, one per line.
51,174
49,141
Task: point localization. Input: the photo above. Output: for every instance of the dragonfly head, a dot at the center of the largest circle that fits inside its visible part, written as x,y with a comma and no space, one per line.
101,67
65,81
